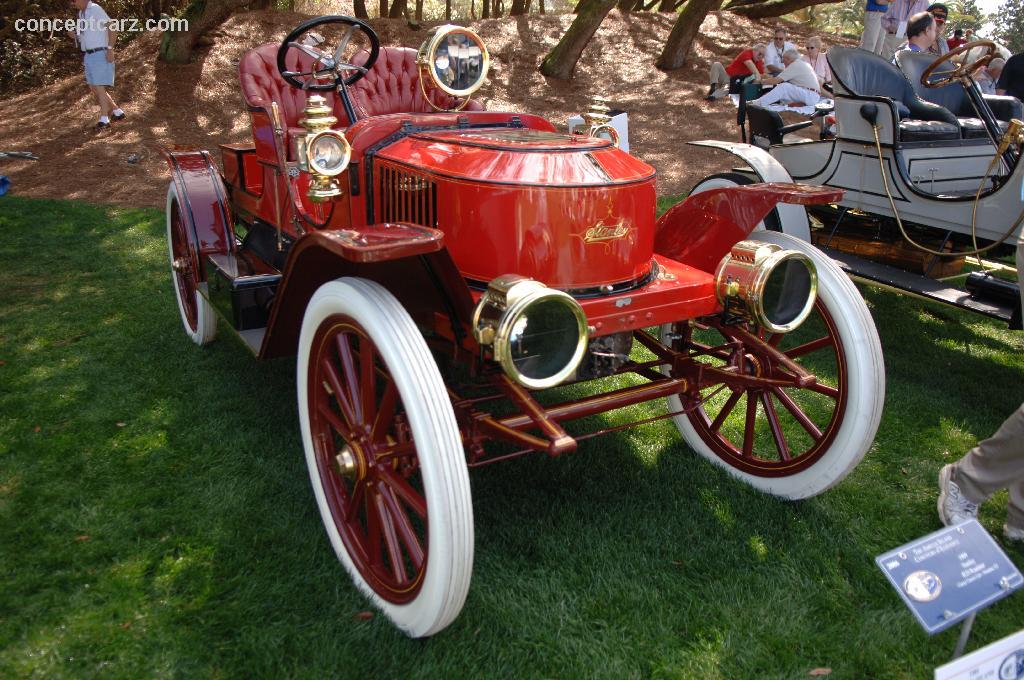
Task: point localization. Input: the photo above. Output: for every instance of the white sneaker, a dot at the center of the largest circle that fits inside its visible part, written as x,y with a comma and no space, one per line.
953,507
1013,533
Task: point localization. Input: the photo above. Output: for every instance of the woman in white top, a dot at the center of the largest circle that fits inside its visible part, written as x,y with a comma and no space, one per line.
816,58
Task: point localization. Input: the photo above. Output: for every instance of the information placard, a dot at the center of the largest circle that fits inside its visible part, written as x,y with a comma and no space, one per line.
946,575
1001,660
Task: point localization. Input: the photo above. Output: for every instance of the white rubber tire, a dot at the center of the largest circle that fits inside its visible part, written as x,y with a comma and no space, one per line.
206,317
865,391
439,449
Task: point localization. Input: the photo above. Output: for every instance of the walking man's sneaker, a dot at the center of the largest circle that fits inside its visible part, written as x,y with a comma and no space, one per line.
953,507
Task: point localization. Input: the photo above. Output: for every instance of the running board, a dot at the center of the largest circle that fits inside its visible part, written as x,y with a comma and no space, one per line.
923,287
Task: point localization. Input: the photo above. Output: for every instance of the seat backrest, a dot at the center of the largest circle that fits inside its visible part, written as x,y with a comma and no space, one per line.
262,84
765,126
393,86
865,74
952,97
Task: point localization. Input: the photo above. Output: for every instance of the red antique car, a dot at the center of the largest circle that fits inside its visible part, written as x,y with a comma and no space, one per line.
439,268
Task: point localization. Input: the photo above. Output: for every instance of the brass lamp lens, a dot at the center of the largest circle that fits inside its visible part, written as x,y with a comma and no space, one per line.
786,291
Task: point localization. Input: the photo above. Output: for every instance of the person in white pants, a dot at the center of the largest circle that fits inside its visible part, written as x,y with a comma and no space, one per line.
796,83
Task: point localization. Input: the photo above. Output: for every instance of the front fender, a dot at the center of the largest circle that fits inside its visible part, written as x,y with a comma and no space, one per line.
703,228
792,217
204,208
411,261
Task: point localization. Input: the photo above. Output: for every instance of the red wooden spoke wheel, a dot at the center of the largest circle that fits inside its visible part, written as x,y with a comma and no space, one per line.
197,314
366,459
778,429
385,455
759,423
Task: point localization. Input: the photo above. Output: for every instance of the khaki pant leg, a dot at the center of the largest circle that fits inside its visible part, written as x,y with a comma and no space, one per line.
890,44
994,464
718,75
874,35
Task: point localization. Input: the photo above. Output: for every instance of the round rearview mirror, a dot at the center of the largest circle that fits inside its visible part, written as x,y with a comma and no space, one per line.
455,59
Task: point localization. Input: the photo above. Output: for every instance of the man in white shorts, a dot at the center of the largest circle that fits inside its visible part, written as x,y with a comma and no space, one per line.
96,39
796,83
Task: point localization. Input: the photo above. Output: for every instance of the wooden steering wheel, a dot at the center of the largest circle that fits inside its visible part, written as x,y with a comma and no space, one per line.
962,70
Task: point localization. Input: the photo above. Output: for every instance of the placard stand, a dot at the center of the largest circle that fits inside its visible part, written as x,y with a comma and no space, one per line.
965,632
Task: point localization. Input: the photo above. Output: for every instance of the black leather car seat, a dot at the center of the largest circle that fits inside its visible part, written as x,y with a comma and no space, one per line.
953,97
767,127
865,74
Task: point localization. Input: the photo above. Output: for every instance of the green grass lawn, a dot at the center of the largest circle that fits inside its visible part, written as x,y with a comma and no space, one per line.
156,516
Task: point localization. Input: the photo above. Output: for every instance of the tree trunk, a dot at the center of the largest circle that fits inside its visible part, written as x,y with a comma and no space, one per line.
541,6
680,40
562,60
359,9
398,9
202,15
419,12
448,10
776,8
518,8
382,8
667,6
485,9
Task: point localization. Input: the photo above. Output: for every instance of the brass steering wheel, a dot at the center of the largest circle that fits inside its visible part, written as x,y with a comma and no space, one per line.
962,70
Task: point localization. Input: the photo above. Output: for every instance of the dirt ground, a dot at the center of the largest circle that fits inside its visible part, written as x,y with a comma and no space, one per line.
200,104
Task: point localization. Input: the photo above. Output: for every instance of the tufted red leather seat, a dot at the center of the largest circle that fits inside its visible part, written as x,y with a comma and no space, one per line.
393,86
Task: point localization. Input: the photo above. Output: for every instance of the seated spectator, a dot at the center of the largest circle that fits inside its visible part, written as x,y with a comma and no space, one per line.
988,76
1011,80
939,12
873,37
921,32
816,58
773,52
957,40
725,79
796,83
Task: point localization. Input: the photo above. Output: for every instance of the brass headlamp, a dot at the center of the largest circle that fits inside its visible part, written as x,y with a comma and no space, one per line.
599,122
455,60
773,287
537,334
322,152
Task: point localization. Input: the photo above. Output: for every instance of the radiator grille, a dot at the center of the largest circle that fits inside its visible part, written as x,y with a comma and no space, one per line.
404,196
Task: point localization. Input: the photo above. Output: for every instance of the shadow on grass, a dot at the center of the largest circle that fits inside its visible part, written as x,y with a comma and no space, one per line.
156,518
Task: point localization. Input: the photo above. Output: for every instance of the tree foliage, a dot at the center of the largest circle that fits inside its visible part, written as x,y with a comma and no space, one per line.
1010,26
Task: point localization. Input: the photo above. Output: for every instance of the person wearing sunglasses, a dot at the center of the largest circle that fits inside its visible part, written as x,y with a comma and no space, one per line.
816,58
940,13
773,52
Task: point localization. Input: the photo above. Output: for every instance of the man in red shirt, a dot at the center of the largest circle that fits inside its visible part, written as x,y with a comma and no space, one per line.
749,64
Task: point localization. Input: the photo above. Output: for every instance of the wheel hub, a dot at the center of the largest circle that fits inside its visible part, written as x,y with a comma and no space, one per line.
350,462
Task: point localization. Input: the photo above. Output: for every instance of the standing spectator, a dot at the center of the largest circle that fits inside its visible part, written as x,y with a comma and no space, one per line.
939,12
895,23
1011,80
994,464
96,39
873,38
988,76
796,83
816,58
773,53
748,64
957,40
